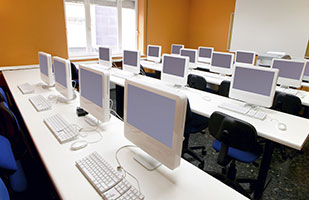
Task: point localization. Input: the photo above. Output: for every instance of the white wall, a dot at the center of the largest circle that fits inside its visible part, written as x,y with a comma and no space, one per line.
271,25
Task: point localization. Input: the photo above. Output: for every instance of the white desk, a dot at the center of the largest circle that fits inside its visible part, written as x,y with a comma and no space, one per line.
217,79
212,78
295,136
185,182
151,65
297,127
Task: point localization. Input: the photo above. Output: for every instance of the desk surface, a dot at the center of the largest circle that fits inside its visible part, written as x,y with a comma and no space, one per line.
185,182
297,128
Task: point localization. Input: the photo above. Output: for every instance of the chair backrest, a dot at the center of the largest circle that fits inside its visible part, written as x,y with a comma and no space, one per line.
4,194
197,82
232,132
224,88
3,96
74,72
9,123
287,103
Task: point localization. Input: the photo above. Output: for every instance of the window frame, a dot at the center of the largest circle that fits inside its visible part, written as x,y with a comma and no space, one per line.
90,53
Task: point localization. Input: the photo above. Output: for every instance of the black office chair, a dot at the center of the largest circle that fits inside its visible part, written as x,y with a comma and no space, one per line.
236,140
289,104
74,72
198,82
194,124
156,74
224,88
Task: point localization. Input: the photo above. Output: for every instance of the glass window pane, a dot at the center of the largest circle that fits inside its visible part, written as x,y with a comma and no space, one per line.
129,40
105,26
76,28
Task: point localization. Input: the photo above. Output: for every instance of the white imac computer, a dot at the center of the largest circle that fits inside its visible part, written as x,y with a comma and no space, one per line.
131,61
306,73
154,120
245,57
255,86
154,53
105,57
63,79
46,69
204,54
94,93
175,50
175,69
222,63
291,72
191,54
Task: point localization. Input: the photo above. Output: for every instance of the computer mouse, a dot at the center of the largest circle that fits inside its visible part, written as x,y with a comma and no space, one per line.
206,98
281,126
80,144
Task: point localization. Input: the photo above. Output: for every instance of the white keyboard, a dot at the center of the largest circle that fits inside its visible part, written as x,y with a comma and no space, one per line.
109,183
40,103
25,88
245,110
62,130
122,74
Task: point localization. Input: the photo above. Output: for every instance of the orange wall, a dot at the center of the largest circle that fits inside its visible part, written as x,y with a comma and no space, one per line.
167,22
31,26
209,23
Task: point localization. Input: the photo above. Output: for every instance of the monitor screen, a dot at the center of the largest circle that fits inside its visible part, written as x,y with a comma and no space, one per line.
91,87
60,73
174,65
244,57
104,54
189,53
130,58
307,69
153,51
176,48
205,52
221,60
253,80
43,64
151,113
289,69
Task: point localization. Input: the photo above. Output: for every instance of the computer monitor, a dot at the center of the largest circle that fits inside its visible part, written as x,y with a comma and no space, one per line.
306,73
222,63
176,48
175,69
154,53
94,91
46,70
154,119
105,57
131,61
63,78
291,72
254,85
204,54
245,57
191,54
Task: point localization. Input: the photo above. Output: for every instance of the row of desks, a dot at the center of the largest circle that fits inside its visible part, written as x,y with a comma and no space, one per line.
185,182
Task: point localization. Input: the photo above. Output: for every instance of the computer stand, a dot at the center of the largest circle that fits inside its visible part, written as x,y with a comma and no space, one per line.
66,100
47,86
146,160
92,121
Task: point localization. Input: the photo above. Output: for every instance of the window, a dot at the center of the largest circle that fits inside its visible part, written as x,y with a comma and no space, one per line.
93,23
